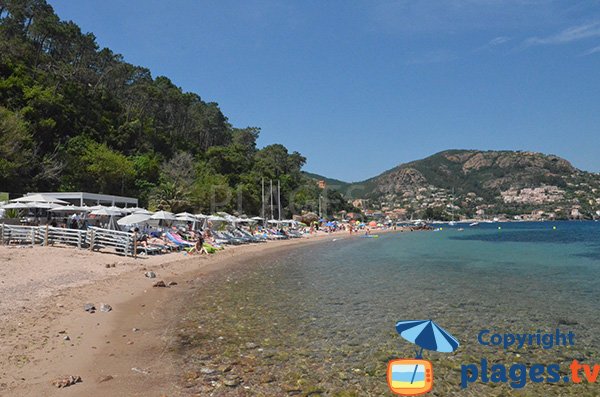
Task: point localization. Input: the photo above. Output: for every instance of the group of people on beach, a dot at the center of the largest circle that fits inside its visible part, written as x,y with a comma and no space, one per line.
195,239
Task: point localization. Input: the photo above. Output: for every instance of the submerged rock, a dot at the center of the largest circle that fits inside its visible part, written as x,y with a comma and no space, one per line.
232,380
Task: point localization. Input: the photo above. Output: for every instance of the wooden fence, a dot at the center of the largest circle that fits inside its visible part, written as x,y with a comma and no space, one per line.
94,238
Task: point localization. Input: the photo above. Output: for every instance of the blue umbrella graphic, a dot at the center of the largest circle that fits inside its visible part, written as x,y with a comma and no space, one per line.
427,335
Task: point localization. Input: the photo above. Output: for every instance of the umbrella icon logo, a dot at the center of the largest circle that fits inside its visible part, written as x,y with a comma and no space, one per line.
412,377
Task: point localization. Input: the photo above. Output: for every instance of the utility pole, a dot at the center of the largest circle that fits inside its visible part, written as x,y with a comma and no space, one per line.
271,182
320,215
262,214
278,200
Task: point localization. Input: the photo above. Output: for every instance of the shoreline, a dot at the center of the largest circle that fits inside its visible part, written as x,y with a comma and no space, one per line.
122,352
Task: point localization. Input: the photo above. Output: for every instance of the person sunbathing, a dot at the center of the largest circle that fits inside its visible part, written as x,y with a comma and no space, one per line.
199,247
167,242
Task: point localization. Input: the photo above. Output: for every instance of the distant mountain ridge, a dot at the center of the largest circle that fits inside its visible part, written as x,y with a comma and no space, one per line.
475,182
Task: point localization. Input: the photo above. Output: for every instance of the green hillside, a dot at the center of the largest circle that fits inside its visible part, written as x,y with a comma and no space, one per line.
74,116
341,186
491,182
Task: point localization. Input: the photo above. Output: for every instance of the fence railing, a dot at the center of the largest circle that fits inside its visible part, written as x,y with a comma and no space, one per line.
94,238
122,242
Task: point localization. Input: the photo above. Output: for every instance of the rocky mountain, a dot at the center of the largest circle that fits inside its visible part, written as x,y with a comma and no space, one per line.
473,183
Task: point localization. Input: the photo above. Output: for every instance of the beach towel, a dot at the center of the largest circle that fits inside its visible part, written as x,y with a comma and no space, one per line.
178,241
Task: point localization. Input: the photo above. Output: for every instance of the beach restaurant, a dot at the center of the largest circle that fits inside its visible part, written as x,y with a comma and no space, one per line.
91,199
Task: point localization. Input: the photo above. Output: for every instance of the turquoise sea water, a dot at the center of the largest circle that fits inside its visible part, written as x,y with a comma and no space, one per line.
322,317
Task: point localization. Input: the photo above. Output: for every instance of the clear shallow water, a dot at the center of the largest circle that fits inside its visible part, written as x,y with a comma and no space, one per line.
320,319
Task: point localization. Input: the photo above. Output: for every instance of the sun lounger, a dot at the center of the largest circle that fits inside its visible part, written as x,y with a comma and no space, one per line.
227,238
250,237
276,235
179,241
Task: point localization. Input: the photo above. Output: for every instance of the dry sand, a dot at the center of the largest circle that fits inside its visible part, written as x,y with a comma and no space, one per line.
44,289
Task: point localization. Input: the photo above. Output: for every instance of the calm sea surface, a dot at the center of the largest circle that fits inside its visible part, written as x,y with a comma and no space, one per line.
319,320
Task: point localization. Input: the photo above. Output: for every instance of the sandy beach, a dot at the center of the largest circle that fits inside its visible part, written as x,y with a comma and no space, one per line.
47,334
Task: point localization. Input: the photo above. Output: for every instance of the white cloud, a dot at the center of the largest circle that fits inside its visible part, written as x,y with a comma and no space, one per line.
498,41
494,43
571,34
591,51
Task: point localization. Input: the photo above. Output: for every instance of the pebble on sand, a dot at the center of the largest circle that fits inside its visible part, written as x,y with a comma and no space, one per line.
66,381
105,378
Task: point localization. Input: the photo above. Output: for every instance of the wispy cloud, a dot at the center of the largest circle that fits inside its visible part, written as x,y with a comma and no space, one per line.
498,41
591,51
571,34
494,43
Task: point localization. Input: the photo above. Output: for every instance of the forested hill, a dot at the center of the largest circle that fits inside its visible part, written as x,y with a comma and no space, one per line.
472,182
74,116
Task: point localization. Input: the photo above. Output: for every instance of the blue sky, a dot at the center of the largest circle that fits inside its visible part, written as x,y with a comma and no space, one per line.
361,86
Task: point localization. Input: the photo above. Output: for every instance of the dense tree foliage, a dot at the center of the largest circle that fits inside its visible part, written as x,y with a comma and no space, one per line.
74,116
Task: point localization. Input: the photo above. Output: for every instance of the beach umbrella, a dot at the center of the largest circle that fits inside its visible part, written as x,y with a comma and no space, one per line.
39,197
164,215
233,219
131,210
181,214
115,209
97,207
44,206
427,335
256,218
15,206
134,219
39,205
67,208
104,212
215,218
143,211
372,223
187,218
